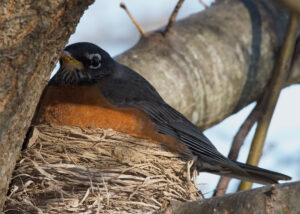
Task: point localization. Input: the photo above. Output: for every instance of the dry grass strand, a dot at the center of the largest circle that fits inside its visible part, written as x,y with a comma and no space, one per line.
75,170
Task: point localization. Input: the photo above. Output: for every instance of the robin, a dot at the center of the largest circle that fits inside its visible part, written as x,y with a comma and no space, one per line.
91,89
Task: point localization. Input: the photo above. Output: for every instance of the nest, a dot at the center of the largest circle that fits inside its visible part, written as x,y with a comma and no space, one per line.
75,170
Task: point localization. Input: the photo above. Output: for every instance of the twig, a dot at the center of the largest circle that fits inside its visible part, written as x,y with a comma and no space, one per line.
204,4
246,127
139,27
195,175
296,53
188,174
173,16
239,138
238,142
277,81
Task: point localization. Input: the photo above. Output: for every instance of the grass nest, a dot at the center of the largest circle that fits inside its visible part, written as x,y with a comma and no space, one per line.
74,170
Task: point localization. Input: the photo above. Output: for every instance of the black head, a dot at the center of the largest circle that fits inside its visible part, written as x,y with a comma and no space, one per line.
83,63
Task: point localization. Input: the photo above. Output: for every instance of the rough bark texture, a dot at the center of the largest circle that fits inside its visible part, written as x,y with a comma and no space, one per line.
32,34
281,198
214,63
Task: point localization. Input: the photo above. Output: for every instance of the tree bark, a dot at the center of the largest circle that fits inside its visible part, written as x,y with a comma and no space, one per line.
32,35
281,198
209,66
214,63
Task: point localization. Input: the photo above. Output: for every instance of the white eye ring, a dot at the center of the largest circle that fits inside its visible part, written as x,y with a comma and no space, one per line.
95,59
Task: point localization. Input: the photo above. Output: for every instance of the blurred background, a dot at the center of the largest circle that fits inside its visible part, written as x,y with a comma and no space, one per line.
108,26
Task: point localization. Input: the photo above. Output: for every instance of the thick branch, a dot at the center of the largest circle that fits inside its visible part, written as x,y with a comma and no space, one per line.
214,63
282,198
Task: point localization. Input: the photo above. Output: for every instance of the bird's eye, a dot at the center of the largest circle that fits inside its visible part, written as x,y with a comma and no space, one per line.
95,61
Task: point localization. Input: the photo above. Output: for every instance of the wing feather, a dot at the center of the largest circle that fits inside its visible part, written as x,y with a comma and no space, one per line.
126,88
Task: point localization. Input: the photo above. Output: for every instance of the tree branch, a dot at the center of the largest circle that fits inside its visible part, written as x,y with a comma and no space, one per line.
134,21
276,199
273,90
173,17
214,63
238,142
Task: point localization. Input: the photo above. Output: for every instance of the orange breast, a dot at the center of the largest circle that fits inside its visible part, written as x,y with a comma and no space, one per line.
85,106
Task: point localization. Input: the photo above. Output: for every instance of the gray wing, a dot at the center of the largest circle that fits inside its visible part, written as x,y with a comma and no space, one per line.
127,88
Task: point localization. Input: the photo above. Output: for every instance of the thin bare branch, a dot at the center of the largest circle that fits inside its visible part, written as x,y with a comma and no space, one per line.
296,53
139,27
276,84
238,142
204,4
173,16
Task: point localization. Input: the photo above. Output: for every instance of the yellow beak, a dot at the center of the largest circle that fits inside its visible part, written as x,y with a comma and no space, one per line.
68,60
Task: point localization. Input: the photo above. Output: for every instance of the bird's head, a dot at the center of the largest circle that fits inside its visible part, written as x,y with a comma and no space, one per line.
83,63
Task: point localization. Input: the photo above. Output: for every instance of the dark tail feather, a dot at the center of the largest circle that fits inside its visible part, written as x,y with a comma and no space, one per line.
242,171
260,175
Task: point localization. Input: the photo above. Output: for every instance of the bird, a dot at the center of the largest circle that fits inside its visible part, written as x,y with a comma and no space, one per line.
91,89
